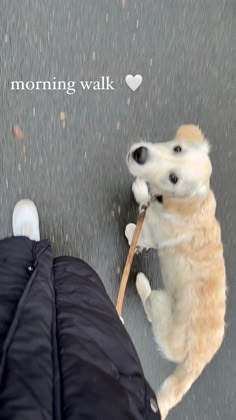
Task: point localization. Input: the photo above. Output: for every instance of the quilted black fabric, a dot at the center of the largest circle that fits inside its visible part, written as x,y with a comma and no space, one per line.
64,353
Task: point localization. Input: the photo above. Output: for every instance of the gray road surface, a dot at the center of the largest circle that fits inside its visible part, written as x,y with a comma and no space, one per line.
186,52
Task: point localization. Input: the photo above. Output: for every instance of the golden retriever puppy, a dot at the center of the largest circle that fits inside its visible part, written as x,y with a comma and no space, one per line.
187,315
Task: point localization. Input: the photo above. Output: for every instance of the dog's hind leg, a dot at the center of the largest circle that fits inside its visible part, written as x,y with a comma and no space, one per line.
158,307
144,291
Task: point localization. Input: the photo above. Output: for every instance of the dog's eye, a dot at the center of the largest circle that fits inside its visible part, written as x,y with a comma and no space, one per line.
177,149
173,178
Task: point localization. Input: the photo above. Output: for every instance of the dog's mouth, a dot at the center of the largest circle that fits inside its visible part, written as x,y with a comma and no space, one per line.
155,197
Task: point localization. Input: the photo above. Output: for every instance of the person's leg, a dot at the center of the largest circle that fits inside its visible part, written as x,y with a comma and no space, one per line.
100,371
27,316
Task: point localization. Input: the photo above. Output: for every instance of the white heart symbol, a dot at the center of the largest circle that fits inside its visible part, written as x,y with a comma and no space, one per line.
133,81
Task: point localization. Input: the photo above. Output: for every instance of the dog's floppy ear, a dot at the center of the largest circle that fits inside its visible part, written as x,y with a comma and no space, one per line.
189,133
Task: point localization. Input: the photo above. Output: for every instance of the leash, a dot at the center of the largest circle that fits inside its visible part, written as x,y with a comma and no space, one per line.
129,260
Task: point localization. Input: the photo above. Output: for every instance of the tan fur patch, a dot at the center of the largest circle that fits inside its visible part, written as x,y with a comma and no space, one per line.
189,133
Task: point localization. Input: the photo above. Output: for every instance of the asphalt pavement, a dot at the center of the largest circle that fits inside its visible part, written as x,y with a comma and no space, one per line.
69,155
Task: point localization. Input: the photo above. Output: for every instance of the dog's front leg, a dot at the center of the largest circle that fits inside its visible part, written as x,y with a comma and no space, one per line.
142,196
144,240
129,233
140,191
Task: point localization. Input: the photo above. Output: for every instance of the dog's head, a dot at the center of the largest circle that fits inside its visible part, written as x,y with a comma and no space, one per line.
180,167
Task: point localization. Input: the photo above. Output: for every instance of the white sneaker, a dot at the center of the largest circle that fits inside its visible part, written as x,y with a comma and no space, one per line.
25,220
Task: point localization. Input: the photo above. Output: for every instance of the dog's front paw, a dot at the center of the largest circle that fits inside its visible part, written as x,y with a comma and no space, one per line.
129,232
140,191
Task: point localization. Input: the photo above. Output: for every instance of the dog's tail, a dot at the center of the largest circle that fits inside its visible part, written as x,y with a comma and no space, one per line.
177,384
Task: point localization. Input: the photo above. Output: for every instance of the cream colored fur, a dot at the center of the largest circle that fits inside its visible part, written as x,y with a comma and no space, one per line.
187,315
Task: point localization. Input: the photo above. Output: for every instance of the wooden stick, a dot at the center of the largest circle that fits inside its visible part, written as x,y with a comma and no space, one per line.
129,260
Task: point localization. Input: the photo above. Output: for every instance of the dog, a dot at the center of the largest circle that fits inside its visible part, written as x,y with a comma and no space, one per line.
187,316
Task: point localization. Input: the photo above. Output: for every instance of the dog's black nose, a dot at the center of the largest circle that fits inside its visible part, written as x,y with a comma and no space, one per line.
140,155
